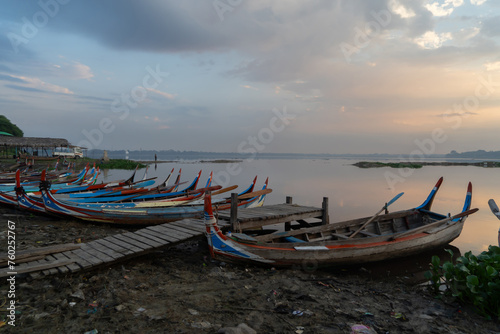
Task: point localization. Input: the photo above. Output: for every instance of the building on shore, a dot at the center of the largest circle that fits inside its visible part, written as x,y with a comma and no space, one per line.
34,147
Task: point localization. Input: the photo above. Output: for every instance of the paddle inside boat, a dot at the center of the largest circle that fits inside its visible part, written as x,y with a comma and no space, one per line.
368,239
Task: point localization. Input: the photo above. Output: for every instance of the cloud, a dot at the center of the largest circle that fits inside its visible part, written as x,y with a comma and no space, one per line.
10,78
164,94
492,66
249,87
25,89
445,8
462,114
432,40
396,7
38,85
477,2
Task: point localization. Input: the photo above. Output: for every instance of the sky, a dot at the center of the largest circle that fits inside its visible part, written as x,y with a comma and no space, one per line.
412,77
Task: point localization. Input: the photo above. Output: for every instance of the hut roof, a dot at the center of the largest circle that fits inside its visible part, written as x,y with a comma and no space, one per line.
33,142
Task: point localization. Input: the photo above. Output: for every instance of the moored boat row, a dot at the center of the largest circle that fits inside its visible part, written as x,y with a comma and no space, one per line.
124,202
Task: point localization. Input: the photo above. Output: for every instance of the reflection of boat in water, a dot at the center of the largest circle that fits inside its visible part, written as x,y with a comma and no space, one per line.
409,269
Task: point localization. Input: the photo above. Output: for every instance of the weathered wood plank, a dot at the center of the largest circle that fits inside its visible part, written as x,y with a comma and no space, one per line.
109,252
159,235
123,244
93,260
168,231
36,267
23,260
114,246
189,233
199,228
141,245
97,253
72,267
41,251
84,264
53,271
153,237
146,241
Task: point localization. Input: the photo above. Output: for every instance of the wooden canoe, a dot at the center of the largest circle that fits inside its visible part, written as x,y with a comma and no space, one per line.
388,236
140,215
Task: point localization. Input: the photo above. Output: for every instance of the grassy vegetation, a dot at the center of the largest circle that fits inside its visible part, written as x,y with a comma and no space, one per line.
368,164
120,164
473,280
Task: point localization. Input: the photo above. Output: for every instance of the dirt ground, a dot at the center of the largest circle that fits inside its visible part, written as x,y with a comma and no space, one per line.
183,290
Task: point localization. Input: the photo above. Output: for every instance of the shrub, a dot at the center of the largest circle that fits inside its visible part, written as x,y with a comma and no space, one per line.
472,280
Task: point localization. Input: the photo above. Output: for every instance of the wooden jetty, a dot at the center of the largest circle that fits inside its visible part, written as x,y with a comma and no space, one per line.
70,258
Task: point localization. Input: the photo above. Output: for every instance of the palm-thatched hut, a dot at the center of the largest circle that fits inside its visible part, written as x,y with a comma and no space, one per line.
30,146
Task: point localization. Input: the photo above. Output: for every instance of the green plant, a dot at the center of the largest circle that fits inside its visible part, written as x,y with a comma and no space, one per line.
472,280
121,164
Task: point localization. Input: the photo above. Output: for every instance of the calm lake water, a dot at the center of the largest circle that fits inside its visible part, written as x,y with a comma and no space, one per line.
354,192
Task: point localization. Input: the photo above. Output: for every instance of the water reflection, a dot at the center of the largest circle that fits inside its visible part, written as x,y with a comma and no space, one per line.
354,192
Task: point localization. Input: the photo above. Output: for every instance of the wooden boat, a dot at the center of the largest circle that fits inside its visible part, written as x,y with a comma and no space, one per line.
149,215
496,211
367,239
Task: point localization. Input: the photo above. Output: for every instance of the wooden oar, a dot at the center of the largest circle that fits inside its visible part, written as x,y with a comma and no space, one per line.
224,190
255,193
375,216
436,223
494,208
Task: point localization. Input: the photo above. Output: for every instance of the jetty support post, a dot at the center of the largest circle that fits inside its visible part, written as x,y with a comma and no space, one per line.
288,225
233,220
325,219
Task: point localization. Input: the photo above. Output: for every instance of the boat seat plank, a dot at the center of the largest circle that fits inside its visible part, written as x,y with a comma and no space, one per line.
244,238
369,234
293,239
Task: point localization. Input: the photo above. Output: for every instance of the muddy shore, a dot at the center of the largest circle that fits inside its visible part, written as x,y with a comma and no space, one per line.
183,290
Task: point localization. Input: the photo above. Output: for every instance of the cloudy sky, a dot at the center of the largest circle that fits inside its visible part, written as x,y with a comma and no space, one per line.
318,76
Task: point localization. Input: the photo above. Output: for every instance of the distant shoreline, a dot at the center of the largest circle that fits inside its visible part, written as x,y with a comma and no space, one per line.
409,164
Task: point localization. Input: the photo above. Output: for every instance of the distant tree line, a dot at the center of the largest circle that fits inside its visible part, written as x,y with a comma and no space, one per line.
479,154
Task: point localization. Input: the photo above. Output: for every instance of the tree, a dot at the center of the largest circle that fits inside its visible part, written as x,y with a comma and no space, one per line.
7,126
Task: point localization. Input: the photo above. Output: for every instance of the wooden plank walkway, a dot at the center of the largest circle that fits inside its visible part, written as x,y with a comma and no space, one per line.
71,258
273,214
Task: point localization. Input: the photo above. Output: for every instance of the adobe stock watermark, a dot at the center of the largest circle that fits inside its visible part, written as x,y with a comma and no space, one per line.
225,6
122,106
455,115
254,144
363,37
31,26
